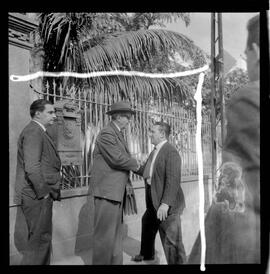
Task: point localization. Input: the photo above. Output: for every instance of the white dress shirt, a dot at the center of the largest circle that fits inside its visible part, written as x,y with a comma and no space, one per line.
117,126
42,126
158,147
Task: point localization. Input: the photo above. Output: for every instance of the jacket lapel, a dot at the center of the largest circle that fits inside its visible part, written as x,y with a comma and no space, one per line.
120,136
48,138
160,154
51,141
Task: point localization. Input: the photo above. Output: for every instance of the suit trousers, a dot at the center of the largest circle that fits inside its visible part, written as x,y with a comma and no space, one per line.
38,216
169,230
108,232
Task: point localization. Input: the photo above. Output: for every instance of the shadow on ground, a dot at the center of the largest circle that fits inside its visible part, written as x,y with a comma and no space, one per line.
84,239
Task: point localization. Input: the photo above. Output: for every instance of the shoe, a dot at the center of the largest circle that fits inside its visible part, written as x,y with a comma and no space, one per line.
139,258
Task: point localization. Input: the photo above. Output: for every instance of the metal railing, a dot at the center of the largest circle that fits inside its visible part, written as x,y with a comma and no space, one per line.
94,105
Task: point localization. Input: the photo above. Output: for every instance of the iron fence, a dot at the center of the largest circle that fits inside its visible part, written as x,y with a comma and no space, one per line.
94,105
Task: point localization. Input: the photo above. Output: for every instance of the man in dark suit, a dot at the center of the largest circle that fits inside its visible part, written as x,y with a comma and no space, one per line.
112,163
37,181
164,199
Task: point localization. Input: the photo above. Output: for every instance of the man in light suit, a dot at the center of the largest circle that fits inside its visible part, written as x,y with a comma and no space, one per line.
112,163
164,199
38,181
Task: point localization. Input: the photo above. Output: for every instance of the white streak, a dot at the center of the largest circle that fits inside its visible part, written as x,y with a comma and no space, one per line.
198,98
23,78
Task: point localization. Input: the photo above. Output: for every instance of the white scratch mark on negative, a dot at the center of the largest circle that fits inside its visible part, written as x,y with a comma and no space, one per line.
198,98
23,78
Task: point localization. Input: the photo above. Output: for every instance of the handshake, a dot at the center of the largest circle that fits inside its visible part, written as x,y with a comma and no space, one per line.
140,160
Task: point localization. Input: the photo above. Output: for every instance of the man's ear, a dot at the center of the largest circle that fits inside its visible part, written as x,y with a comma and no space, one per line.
256,49
118,117
163,134
37,114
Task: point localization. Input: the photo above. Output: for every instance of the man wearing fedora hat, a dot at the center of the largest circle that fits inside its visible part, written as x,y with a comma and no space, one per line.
112,163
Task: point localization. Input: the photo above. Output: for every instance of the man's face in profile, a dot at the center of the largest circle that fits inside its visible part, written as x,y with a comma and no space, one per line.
47,116
253,62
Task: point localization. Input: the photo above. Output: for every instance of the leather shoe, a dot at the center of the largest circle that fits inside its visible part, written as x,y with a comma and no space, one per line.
139,258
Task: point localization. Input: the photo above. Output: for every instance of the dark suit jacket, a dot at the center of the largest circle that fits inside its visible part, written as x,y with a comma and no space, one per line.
166,179
111,165
38,164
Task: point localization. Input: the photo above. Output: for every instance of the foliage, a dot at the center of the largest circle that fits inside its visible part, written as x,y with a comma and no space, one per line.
233,80
64,34
85,42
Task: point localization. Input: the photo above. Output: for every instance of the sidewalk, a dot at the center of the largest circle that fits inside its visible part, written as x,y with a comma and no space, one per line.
131,244
131,247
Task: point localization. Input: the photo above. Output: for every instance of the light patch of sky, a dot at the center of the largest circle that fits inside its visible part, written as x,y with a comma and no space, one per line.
234,32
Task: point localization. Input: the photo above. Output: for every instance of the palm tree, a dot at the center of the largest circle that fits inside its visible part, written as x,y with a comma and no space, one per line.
86,42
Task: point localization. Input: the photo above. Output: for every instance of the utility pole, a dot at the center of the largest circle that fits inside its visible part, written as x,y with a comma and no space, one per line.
220,79
217,67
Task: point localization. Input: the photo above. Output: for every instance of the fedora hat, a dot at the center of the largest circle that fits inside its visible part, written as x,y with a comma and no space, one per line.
120,107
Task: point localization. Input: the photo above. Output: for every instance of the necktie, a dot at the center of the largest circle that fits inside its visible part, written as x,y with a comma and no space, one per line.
146,173
123,134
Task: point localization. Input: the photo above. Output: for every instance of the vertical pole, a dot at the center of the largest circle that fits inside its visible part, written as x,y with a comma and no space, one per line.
84,92
213,100
81,166
221,73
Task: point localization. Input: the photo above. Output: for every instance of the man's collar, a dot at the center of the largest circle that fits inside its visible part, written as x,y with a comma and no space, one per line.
42,126
116,126
159,145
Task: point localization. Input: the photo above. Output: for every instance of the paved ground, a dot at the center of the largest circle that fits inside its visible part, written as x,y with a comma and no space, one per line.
190,224
131,247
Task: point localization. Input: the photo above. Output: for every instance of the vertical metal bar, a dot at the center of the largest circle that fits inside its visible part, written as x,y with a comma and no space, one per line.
81,166
146,123
61,92
110,101
86,136
213,98
182,136
47,91
91,126
96,109
137,150
54,92
189,136
173,121
221,75
140,131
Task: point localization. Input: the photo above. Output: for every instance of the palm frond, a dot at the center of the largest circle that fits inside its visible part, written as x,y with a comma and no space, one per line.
128,50
144,87
125,46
